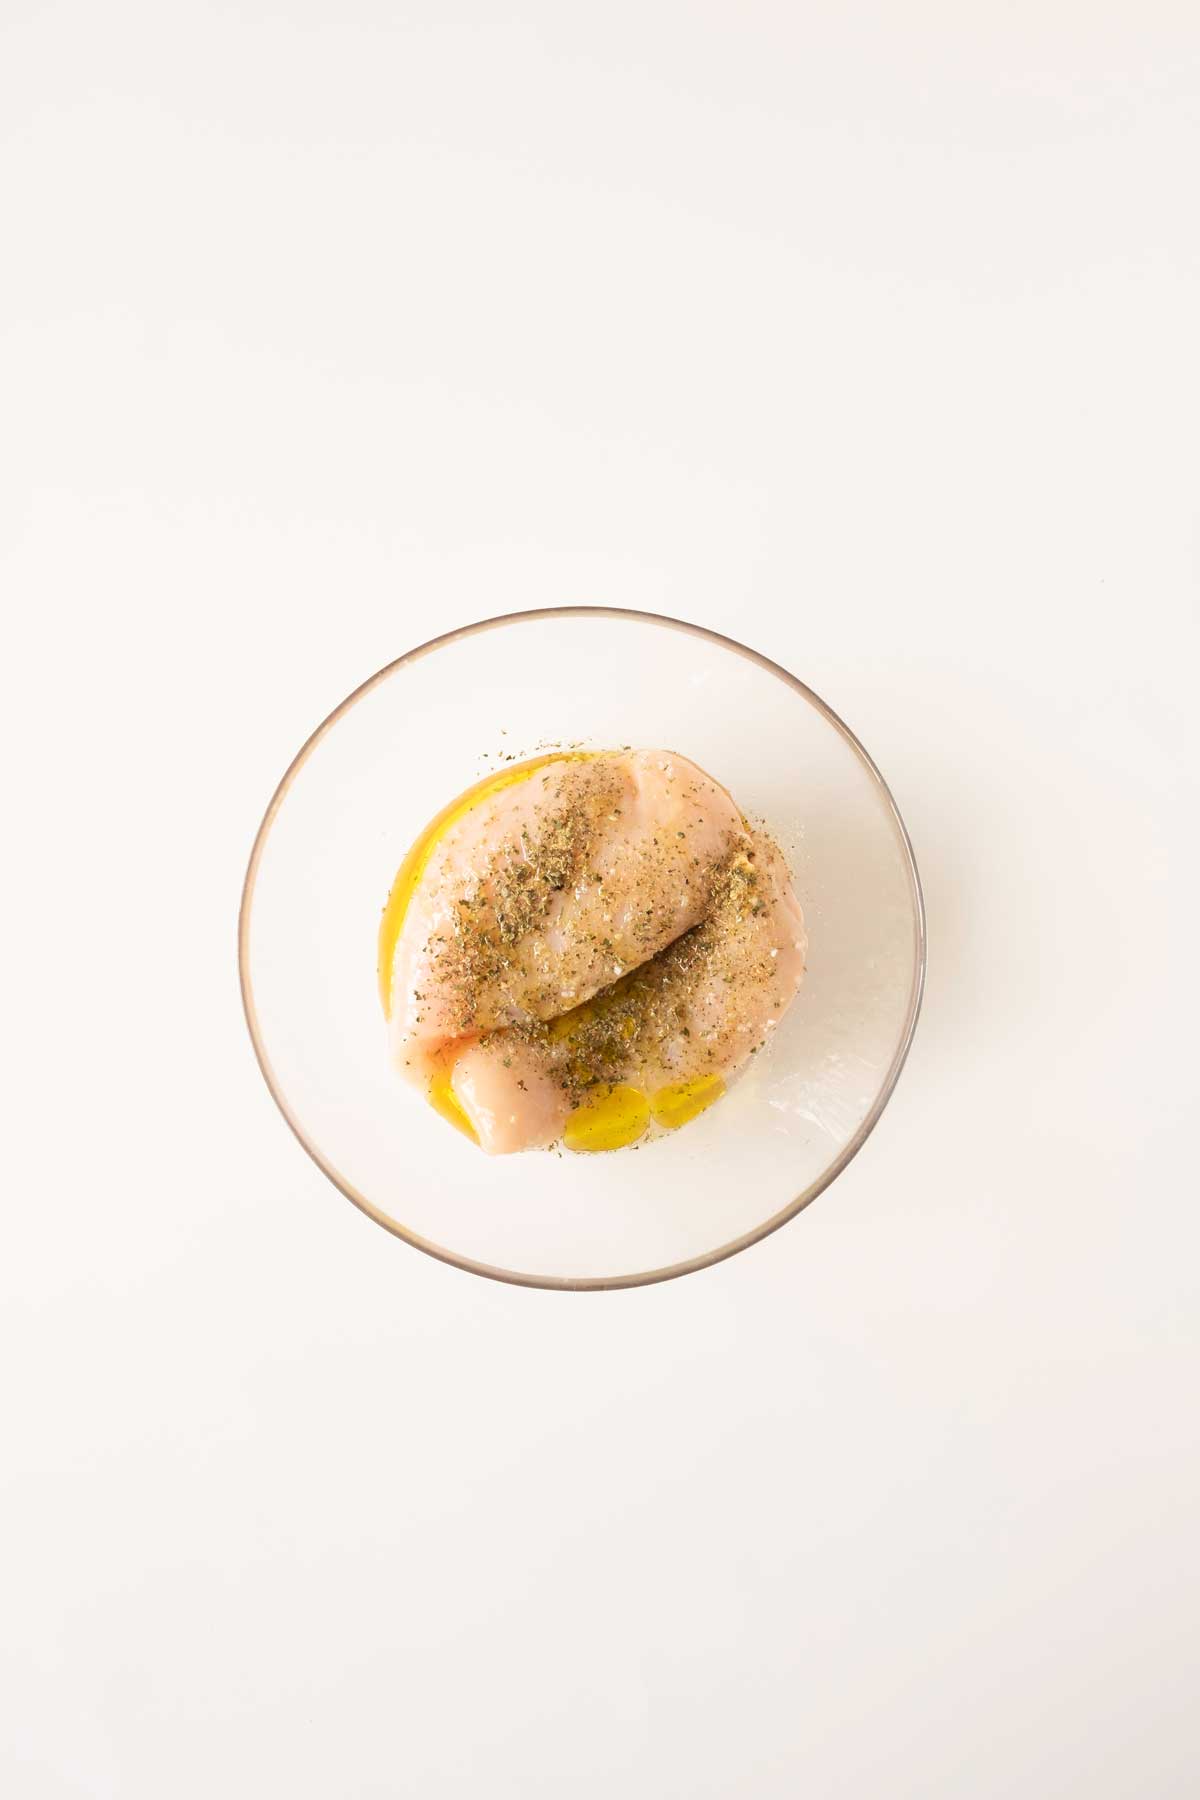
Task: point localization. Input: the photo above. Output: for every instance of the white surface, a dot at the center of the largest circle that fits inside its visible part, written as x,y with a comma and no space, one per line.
870,335
366,790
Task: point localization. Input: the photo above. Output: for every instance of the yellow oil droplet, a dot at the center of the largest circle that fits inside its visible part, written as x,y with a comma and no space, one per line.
588,1011
614,1117
568,1023
409,874
445,1101
673,1106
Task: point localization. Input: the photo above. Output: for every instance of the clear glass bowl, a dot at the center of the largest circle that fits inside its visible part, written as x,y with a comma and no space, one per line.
410,739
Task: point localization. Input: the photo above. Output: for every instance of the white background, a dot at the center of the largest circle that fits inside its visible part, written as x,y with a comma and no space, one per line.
866,333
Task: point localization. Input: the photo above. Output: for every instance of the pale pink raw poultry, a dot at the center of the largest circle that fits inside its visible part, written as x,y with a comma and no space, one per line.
551,889
700,1008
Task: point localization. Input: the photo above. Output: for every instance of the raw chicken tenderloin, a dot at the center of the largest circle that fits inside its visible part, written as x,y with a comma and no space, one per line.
701,1008
551,889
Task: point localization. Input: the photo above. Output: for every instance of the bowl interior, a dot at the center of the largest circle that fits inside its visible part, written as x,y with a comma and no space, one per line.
414,737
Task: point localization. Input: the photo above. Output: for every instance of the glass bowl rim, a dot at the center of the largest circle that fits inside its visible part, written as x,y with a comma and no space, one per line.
591,1283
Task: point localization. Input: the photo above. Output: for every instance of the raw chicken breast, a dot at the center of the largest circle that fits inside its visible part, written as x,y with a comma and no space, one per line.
691,1015
549,890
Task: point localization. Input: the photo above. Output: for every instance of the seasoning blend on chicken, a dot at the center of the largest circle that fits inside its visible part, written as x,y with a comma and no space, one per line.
585,942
